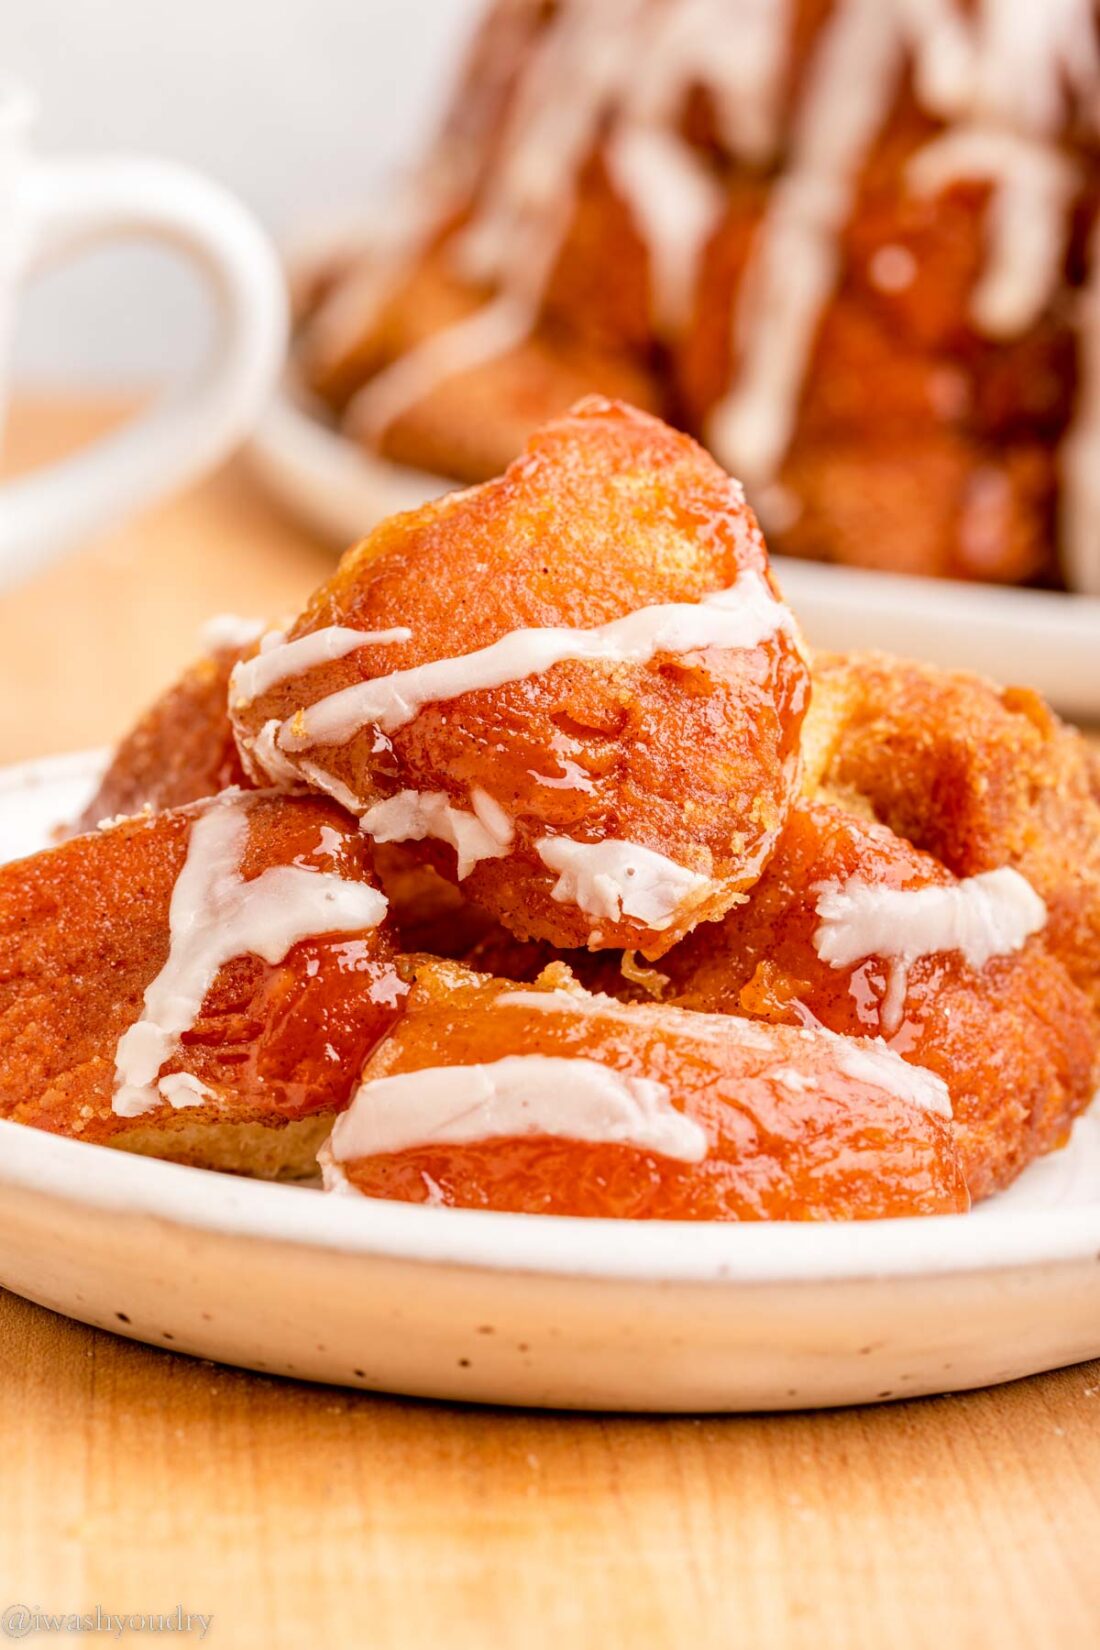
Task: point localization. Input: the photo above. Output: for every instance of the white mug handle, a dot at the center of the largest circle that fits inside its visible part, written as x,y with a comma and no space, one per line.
67,204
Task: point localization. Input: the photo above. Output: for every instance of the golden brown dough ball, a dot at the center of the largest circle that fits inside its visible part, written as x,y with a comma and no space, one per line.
613,798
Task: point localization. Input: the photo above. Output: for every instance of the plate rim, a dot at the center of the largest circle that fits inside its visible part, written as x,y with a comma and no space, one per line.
548,1246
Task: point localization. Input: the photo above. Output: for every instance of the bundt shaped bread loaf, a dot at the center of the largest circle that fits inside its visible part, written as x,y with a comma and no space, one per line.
850,243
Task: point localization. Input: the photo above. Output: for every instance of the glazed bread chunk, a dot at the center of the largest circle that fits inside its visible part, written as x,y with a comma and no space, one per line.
978,775
854,929
181,750
546,1099
575,686
202,985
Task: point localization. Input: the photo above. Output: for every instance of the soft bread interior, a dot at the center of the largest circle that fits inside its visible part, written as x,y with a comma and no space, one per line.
253,1149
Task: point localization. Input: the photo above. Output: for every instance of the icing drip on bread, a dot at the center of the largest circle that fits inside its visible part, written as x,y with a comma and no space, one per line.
614,879
986,916
214,916
481,832
520,1095
279,660
744,616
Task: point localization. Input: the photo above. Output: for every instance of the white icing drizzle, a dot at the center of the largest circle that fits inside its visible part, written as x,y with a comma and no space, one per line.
864,1059
397,236
334,1178
870,1060
1027,63
262,757
1029,219
525,210
744,616
614,879
181,1089
585,62
572,78
487,334
737,49
581,1099
676,203
327,782
985,916
278,659
519,1096
215,916
410,816
1009,64
406,224
793,270
229,631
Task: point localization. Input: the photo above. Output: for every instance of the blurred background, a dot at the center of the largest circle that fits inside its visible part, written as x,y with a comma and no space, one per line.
303,108
913,388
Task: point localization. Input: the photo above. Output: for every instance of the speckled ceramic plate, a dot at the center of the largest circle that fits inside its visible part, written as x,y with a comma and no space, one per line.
1047,640
517,1309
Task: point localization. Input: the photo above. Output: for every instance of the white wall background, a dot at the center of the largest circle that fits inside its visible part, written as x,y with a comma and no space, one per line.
302,106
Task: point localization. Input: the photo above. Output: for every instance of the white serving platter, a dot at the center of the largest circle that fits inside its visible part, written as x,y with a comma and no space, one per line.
519,1309
1048,640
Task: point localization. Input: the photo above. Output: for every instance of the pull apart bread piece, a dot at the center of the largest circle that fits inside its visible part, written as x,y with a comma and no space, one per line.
977,775
856,930
545,1099
181,750
202,985
575,687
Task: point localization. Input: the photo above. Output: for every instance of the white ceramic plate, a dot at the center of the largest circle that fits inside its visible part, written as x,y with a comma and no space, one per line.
518,1309
1050,641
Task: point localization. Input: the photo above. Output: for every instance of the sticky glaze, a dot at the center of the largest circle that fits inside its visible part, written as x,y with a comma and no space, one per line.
215,916
1007,75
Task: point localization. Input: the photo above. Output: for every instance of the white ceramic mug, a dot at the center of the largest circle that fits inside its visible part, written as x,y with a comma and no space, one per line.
50,209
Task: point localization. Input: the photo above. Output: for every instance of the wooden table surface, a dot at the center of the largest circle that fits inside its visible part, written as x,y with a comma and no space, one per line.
135,1480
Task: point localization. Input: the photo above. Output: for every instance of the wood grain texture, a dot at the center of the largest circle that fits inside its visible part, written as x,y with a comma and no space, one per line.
138,1480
